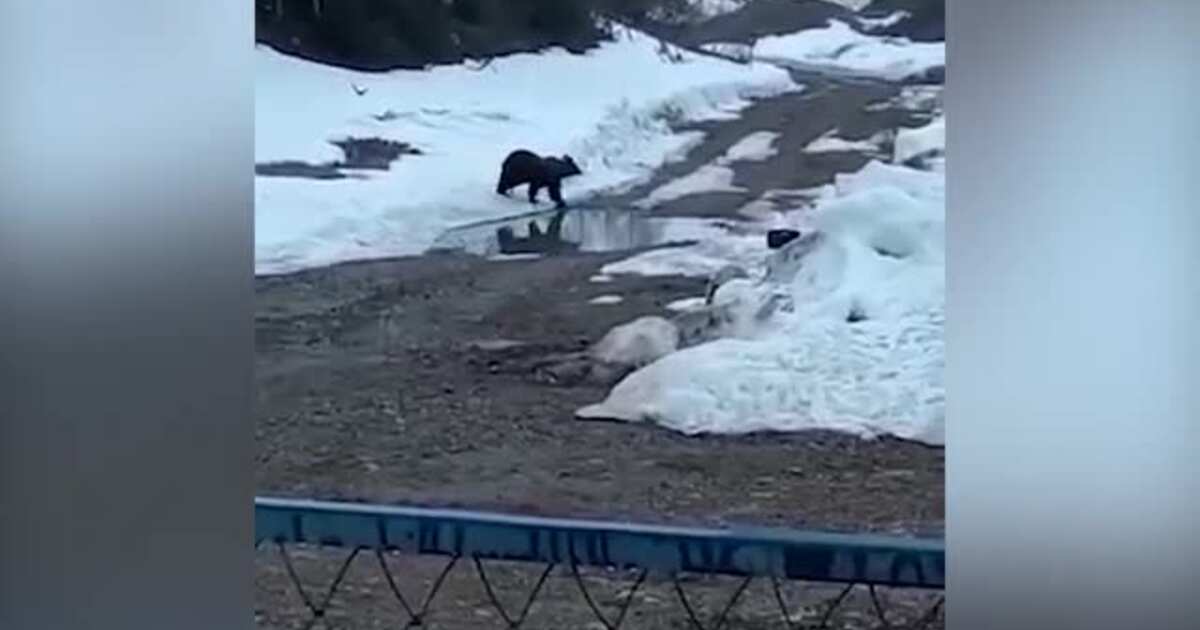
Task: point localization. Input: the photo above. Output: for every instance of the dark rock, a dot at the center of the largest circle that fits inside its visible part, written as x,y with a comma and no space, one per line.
779,238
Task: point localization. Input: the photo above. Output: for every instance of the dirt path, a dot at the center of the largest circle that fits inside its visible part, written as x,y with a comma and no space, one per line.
797,119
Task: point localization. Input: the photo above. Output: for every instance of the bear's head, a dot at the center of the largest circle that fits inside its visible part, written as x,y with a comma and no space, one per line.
570,167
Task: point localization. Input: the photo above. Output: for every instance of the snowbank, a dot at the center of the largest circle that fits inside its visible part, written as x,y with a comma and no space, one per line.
838,48
637,343
610,109
850,339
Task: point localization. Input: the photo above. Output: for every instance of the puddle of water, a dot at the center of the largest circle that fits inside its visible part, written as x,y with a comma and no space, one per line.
549,232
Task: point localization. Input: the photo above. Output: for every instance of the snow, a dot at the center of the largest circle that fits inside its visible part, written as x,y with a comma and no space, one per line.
838,48
495,345
713,8
700,10
853,5
830,142
608,299
707,178
755,147
924,99
702,260
872,24
760,209
925,187
848,339
773,202
687,304
600,278
716,176
735,51
921,141
638,342
513,257
612,110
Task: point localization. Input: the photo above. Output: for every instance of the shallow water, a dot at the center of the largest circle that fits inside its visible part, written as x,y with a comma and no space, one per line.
549,232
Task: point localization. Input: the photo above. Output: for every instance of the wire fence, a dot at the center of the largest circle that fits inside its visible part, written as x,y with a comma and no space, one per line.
339,565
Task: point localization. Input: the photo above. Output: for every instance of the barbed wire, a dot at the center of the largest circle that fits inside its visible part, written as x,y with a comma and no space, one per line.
487,585
317,609
587,596
415,618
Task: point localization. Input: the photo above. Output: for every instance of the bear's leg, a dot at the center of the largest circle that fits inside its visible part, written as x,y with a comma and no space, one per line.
554,231
556,195
534,187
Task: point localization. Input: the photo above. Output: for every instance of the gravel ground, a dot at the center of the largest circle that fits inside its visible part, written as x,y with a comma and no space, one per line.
420,380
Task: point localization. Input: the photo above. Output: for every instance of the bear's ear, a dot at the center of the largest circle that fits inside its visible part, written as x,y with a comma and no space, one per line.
567,158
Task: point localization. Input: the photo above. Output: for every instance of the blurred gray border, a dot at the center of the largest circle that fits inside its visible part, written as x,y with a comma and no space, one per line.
1074,240
126,308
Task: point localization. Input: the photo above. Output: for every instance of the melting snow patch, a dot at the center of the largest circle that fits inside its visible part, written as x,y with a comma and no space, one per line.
699,10
687,304
873,24
707,178
716,176
741,53
830,143
922,141
713,8
702,260
604,300
508,257
913,98
853,5
755,147
838,48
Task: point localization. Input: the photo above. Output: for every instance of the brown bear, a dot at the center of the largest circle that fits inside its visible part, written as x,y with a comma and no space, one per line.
527,167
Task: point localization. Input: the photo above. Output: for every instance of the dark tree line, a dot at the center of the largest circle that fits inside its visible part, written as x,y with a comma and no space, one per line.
387,34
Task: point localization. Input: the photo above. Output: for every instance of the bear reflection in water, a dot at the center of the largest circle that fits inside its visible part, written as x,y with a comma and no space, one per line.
538,242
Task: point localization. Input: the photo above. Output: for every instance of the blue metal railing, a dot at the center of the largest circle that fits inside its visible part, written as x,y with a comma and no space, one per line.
769,552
